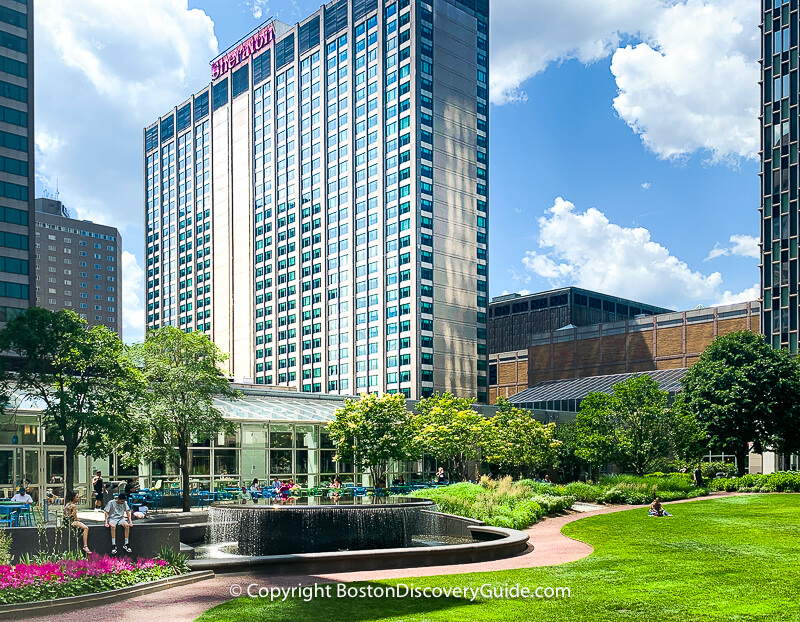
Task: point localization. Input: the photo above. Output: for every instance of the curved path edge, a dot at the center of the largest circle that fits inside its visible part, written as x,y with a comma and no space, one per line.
547,547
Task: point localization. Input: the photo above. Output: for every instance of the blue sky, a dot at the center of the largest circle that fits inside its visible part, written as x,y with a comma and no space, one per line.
624,133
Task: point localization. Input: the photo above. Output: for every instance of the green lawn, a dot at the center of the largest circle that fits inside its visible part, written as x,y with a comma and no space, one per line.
735,558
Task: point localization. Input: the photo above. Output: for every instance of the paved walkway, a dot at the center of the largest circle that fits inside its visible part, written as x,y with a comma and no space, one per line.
548,547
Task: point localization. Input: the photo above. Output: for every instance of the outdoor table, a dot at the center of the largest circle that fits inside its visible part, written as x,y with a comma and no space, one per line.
13,512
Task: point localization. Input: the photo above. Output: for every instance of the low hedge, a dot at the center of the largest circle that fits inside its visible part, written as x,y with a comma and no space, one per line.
784,481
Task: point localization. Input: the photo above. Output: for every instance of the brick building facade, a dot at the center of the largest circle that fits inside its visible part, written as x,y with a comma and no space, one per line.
666,341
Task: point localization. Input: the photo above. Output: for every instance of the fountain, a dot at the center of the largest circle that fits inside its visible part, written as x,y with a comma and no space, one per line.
314,525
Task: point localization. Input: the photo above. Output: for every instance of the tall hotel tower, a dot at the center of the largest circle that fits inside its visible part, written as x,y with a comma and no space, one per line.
17,259
320,209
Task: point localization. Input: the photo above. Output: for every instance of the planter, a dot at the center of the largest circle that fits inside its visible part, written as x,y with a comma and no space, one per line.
24,611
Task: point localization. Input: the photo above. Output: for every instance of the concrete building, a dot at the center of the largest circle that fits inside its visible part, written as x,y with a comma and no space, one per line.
78,266
16,158
514,318
665,341
320,209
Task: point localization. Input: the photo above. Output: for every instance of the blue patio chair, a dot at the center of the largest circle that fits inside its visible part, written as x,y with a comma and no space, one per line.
360,491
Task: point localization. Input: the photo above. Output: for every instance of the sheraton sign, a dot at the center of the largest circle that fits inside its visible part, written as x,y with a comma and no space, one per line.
229,60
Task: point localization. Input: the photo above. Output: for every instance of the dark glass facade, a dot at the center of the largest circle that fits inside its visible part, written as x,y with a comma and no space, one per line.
514,319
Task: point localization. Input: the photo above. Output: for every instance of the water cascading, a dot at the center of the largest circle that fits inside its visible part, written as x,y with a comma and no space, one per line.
283,529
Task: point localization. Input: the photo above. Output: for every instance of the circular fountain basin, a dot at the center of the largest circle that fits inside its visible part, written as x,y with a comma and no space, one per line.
316,525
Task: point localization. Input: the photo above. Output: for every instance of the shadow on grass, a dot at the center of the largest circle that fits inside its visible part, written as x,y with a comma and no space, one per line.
352,602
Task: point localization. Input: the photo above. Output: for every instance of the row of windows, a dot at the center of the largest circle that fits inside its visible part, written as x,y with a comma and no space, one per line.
13,240
13,67
14,117
13,42
13,191
13,91
14,216
15,18
13,141
14,266
13,290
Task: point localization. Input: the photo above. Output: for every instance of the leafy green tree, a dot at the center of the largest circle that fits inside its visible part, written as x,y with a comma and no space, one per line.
83,377
631,427
517,442
452,431
374,430
183,376
743,391
567,464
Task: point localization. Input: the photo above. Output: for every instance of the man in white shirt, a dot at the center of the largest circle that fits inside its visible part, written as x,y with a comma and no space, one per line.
22,497
118,512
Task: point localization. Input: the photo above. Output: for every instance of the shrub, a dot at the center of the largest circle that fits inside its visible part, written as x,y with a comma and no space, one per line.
784,481
583,492
502,503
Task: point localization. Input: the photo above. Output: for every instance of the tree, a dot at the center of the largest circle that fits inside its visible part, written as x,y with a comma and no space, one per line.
743,391
517,440
632,427
449,429
567,464
183,377
374,430
83,377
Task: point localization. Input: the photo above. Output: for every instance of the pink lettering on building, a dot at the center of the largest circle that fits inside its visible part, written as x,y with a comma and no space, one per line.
254,44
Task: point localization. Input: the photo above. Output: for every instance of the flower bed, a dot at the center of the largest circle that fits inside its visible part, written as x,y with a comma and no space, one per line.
34,582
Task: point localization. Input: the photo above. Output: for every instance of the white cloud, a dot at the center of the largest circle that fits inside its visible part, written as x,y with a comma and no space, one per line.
528,35
132,298
257,8
693,84
741,246
646,185
690,85
104,70
728,298
587,250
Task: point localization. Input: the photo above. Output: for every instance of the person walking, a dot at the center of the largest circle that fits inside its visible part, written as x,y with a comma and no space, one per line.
698,477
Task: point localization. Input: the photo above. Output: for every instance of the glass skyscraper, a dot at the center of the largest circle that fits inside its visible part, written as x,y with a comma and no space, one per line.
320,210
16,158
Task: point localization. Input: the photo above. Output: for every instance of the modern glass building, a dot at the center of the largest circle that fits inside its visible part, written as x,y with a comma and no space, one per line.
276,434
320,209
16,158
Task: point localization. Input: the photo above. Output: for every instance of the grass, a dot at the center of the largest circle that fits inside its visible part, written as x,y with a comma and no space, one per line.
734,558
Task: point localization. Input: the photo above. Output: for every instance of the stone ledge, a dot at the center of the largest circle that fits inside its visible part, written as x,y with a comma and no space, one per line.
23,611
494,543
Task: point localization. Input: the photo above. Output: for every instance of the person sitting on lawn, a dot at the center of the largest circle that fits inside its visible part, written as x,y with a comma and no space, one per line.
116,512
22,497
656,509
71,517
